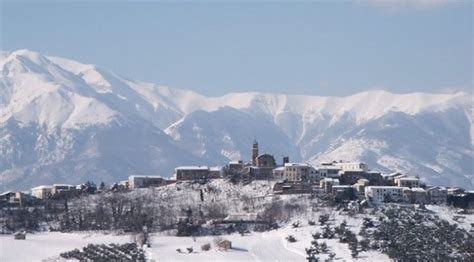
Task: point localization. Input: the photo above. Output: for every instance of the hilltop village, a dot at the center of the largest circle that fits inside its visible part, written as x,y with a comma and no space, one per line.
338,179
261,209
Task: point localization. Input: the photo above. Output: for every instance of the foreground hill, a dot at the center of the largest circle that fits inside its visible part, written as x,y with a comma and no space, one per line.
64,121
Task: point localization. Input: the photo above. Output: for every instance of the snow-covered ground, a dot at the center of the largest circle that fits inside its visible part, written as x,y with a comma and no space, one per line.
255,246
41,246
266,246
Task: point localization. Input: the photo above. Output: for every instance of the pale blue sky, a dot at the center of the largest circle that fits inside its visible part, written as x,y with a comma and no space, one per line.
321,47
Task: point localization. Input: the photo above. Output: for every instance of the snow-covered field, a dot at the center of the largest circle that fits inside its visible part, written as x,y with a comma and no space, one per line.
255,246
266,246
41,246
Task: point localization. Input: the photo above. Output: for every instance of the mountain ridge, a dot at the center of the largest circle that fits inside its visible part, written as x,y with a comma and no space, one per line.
61,95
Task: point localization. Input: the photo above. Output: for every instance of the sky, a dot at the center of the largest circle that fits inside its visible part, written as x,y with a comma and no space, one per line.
332,48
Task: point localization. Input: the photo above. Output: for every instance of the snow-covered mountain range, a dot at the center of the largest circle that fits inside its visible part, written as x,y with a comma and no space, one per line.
64,121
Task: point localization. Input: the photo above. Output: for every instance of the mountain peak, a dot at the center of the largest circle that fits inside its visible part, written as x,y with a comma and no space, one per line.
65,107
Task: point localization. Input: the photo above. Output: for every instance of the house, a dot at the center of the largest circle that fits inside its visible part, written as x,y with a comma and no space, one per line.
455,191
327,183
437,195
42,192
379,194
292,187
58,188
258,173
390,178
406,181
415,195
352,166
342,190
314,175
279,172
328,170
296,172
360,185
216,172
6,196
20,235
15,198
192,172
146,181
351,177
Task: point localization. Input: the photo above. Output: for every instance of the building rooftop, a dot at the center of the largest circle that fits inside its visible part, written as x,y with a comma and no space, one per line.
143,176
436,187
57,185
42,187
329,167
192,168
384,187
342,186
328,179
409,178
349,163
296,164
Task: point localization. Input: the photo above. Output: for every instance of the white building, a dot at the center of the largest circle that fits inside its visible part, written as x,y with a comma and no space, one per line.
57,188
216,171
352,166
42,192
327,183
379,194
437,195
407,181
330,171
296,171
279,173
144,181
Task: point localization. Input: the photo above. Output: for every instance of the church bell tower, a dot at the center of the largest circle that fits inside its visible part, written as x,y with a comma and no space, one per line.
254,153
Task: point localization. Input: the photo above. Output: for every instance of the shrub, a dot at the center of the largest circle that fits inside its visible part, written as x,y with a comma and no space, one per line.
291,238
206,247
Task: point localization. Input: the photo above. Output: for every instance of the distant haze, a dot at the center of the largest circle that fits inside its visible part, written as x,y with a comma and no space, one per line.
320,48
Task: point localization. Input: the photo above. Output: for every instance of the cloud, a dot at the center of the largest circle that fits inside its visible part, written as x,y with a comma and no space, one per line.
409,4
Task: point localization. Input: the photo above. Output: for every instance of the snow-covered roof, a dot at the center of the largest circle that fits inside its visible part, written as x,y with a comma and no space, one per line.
418,189
297,164
362,181
192,168
6,193
142,176
215,168
349,163
342,186
329,167
42,187
410,178
436,187
327,179
281,168
384,187
65,185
